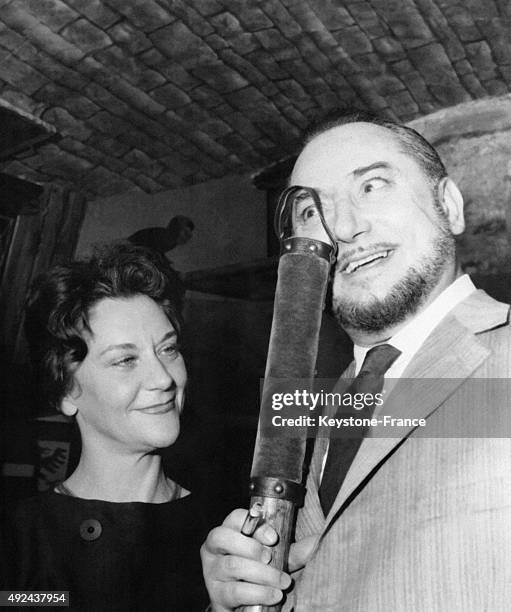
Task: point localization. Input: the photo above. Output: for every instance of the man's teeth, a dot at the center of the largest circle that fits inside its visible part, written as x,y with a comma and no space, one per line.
355,265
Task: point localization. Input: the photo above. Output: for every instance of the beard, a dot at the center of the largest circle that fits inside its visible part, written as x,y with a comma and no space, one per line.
405,297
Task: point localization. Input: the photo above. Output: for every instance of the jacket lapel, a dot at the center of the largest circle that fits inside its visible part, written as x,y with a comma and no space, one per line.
449,355
312,513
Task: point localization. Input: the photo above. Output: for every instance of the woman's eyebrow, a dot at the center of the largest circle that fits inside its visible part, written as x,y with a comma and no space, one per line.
168,336
123,345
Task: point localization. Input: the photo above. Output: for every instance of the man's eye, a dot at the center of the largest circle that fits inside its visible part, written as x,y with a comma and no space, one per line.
307,212
305,208
373,184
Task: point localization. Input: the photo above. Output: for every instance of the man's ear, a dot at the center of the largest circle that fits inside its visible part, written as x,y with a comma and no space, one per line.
451,201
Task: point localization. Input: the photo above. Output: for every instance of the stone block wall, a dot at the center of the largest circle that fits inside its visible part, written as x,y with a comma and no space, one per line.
474,141
154,95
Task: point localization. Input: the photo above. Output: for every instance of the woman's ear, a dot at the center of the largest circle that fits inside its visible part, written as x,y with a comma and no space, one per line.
68,406
451,201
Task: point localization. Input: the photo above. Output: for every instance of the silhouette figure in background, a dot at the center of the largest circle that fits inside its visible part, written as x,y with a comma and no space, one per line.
162,240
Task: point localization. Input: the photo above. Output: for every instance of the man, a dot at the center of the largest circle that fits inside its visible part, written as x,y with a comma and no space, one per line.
419,522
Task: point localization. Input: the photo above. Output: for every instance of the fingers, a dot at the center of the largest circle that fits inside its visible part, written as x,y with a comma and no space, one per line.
301,551
225,541
236,567
265,534
238,557
236,582
238,594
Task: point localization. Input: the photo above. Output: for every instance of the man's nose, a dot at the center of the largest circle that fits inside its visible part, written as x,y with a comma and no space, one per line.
350,222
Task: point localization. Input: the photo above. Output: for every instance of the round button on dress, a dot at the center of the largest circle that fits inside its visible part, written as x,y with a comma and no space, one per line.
90,530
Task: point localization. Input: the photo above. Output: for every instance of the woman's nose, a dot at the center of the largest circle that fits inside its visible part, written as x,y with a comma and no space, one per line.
158,374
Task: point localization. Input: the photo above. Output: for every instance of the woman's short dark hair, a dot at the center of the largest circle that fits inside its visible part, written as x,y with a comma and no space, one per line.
412,143
60,302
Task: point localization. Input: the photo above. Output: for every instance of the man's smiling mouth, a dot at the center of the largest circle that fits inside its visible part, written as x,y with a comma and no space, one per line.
355,264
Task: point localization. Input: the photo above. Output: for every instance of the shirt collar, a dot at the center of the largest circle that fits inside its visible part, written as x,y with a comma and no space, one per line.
410,338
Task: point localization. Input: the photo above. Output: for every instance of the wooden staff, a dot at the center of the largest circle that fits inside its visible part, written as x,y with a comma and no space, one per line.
276,480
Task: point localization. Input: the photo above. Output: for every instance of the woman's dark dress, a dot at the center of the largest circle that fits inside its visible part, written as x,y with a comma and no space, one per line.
109,556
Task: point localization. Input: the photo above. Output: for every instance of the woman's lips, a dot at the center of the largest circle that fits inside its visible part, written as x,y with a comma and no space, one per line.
159,408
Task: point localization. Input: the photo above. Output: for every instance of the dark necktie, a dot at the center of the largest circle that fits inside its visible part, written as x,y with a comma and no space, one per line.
342,450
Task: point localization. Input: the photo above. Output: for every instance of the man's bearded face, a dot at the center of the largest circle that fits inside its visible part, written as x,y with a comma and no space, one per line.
395,241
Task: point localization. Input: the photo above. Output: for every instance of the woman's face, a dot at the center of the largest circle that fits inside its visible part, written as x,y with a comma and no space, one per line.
128,391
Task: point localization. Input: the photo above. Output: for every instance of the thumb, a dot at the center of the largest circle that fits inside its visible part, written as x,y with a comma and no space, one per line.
300,552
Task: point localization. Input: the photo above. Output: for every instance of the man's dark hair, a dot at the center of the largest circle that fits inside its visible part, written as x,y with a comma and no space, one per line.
411,141
60,302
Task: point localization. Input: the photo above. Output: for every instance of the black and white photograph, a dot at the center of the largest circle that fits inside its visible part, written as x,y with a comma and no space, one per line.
255,276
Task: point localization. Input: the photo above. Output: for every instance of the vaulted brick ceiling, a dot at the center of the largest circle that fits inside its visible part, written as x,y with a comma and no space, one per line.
156,94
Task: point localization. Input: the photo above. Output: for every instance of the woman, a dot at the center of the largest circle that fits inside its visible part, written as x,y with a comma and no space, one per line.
118,534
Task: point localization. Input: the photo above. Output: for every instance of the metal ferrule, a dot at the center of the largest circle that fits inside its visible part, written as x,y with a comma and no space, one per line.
279,488
308,245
